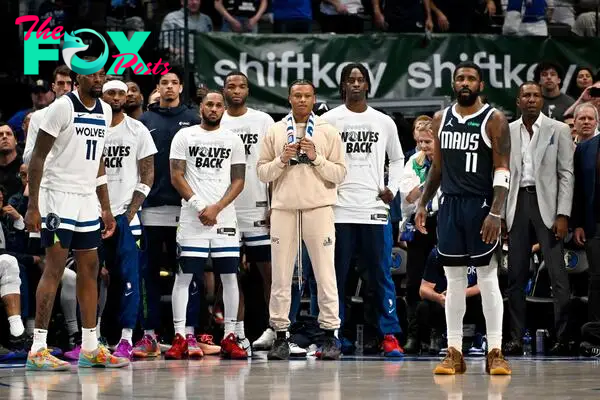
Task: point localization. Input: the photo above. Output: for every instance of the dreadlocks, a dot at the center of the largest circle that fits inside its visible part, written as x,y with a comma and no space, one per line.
346,73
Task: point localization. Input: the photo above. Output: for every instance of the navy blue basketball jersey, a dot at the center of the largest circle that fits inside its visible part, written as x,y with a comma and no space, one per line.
467,164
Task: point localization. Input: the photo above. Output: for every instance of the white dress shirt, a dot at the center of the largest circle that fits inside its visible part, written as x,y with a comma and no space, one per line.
528,145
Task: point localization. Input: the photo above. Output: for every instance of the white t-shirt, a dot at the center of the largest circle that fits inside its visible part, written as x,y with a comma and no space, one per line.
252,204
366,137
209,156
126,144
34,126
72,164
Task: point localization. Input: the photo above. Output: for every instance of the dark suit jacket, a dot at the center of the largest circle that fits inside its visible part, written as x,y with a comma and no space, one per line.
585,185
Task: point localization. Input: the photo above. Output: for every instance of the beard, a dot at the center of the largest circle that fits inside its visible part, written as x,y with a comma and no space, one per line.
95,93
237,103
116,108
128,107
466,100
211,122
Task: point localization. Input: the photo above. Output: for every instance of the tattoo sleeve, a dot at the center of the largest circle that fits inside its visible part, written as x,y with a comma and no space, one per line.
499,133
178,179
146,172
43,145
434,176
238,177
102,190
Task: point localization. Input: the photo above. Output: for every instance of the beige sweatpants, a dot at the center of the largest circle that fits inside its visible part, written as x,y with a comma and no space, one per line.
318,233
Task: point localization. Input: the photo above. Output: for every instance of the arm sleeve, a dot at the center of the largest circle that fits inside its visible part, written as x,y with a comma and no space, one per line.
178,147
396,157
57,117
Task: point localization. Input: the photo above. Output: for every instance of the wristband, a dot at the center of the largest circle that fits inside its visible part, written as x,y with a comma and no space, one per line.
494,215
142,188
502,178
195,202
101,180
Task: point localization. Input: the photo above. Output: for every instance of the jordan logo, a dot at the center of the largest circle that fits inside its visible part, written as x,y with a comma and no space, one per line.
485,204
449,123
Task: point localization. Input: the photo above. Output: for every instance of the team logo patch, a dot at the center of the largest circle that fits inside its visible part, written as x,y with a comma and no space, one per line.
274,240
52,222
177,250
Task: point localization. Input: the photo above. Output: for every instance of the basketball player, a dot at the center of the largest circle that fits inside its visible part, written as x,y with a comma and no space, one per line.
207,169
471,162
302,155
362,221
135,100
252,205
129,162
66,166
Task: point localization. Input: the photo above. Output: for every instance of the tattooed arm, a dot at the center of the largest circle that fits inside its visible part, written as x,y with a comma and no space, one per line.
178,179
499,133
434,176
146,168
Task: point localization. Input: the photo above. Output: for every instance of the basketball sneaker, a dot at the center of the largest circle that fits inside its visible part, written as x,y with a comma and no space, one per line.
42,360
391,347
147,346
124,349
265,341
231,349
193,347
207,345
178,350
453,363
100,357
496,364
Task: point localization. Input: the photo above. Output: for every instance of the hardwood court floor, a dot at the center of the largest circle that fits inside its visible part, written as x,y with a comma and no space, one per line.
365,378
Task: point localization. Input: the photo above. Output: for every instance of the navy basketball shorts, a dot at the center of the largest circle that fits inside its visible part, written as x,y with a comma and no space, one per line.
460,219
256,246
193,253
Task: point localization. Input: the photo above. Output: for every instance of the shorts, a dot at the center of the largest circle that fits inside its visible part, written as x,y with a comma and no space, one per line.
72,219
459,231
256,246
192,254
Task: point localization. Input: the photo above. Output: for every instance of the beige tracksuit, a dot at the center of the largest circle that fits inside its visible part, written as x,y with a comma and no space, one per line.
312,190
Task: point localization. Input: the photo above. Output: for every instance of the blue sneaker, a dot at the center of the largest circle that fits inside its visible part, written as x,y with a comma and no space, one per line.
479,345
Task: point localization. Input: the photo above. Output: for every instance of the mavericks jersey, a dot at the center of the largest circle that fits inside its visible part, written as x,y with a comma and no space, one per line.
126,144
467,164
72,164
252,204
208,157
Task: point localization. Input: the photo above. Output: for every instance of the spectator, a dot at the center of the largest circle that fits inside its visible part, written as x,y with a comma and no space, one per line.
589,94
400,16
462,16
527,19
341,16
548,74
135,100
585,24
127,15
563,12
25,127
241,15
292,16
10,293
570,120
41,96
584,77
10,161
586,122
586,209
539,200
419,122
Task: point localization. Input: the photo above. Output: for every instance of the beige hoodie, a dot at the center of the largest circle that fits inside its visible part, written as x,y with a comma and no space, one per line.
303,186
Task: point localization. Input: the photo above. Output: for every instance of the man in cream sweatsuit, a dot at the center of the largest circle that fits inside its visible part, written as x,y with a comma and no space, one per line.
303,158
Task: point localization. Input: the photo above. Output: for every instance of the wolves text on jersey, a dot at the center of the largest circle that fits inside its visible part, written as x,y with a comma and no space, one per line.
209,157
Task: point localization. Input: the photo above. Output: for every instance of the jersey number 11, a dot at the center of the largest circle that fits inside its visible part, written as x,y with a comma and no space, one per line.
471,162
90,149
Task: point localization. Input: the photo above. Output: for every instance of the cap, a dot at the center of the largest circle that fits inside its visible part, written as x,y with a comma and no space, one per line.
40,85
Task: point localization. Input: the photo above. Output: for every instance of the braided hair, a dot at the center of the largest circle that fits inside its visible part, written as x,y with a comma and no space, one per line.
346,73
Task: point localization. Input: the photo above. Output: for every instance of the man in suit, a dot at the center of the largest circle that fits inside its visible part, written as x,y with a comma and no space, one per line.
539,201
586,206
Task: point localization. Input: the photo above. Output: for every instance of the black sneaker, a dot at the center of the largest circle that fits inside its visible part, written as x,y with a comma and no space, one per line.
21,342
331,349
589,350
412,346
280,350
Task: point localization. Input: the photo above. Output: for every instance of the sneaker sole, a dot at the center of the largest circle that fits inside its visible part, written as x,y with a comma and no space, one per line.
87,364
500,371
45,368
145,355
394,353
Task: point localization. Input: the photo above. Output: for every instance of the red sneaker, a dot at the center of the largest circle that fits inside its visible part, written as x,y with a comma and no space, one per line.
231,349
391,347
178,350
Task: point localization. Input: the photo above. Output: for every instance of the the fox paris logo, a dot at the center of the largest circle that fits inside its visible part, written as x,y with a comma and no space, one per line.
72,44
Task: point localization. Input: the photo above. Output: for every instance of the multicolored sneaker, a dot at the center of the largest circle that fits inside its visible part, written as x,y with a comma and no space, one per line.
147,346
231,349
42,360
193,347
100,357
73,354
124,349
207,344
391,347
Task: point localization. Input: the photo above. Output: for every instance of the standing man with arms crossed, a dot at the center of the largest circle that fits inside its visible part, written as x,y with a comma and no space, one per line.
66,166
129,161
302,155
207,169
252,205
471,162
362,219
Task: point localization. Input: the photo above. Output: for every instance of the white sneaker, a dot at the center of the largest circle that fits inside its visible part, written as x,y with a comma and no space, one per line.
265,341
245,344
296,351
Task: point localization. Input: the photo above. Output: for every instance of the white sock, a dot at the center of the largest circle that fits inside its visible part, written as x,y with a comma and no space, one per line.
179,301
231,301
68,300
39,340
16,325
456,304
190,330
492,304
89,339
30,325
150,332
239,330
127,334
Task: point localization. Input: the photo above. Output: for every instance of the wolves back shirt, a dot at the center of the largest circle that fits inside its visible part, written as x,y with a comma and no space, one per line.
366,137
208,156
252,204
72,164
126,144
